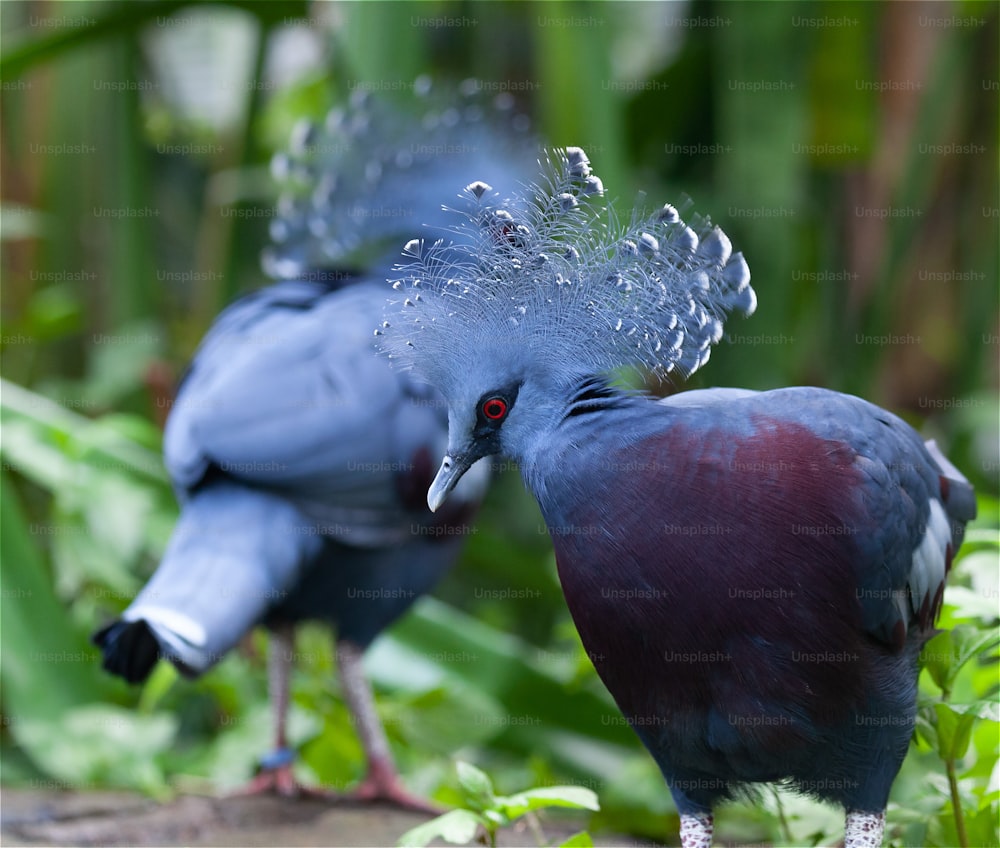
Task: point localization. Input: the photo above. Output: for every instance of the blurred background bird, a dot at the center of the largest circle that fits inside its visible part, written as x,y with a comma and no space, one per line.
301,459
752,574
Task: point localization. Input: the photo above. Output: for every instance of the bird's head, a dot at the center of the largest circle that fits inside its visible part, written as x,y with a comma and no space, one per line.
538,292
498,411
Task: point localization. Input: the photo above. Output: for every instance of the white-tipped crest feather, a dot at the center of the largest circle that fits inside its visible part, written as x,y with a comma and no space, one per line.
551,279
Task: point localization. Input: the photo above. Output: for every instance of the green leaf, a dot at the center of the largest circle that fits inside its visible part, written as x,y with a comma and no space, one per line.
118,512
160,681
578,840
979,536
574,797
981,828
456,826
101,744
27,451
971,642
987,710
946,654
135,429
954,731
969,604
45,426
47,667
477,786
938,656
925,727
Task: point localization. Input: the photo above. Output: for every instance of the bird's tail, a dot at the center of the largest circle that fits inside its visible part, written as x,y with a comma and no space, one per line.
130,649
957,493
375,172
234,555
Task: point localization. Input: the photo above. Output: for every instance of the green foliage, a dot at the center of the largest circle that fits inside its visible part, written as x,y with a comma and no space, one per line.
450,680
485,809
102,745
959,717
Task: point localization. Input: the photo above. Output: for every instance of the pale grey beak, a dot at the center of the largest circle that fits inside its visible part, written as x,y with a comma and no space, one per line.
450,472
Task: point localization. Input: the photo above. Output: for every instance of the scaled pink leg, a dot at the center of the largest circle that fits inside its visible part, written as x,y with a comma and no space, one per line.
864,830
276,768
696,830
382,781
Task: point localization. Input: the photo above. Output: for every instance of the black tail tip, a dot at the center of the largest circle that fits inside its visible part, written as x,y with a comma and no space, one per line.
130,649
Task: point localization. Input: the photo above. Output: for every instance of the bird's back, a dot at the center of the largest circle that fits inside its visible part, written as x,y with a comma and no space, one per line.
287,393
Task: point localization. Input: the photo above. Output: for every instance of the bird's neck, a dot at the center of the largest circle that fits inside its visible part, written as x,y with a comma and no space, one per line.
591,413
594,396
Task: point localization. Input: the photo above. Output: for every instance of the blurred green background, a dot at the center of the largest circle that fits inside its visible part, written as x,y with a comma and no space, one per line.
849,150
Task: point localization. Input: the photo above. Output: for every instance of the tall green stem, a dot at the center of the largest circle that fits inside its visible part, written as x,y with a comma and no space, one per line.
956,804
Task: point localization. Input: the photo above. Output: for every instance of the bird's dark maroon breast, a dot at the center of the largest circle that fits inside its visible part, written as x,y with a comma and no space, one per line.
725,574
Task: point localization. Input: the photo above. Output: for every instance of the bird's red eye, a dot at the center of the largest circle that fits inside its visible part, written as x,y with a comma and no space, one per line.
495,408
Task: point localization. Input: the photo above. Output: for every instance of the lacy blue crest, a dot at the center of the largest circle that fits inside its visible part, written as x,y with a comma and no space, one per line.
553,279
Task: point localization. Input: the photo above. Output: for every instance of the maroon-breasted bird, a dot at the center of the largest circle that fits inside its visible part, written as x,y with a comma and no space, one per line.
753,574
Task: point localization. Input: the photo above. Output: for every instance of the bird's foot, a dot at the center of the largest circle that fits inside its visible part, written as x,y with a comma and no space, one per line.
382,784
275,777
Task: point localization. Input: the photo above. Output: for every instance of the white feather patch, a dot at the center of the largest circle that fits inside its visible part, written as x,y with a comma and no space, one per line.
179,636
928,569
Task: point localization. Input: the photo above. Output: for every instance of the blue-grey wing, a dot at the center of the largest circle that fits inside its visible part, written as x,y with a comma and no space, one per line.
905,512
288,392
